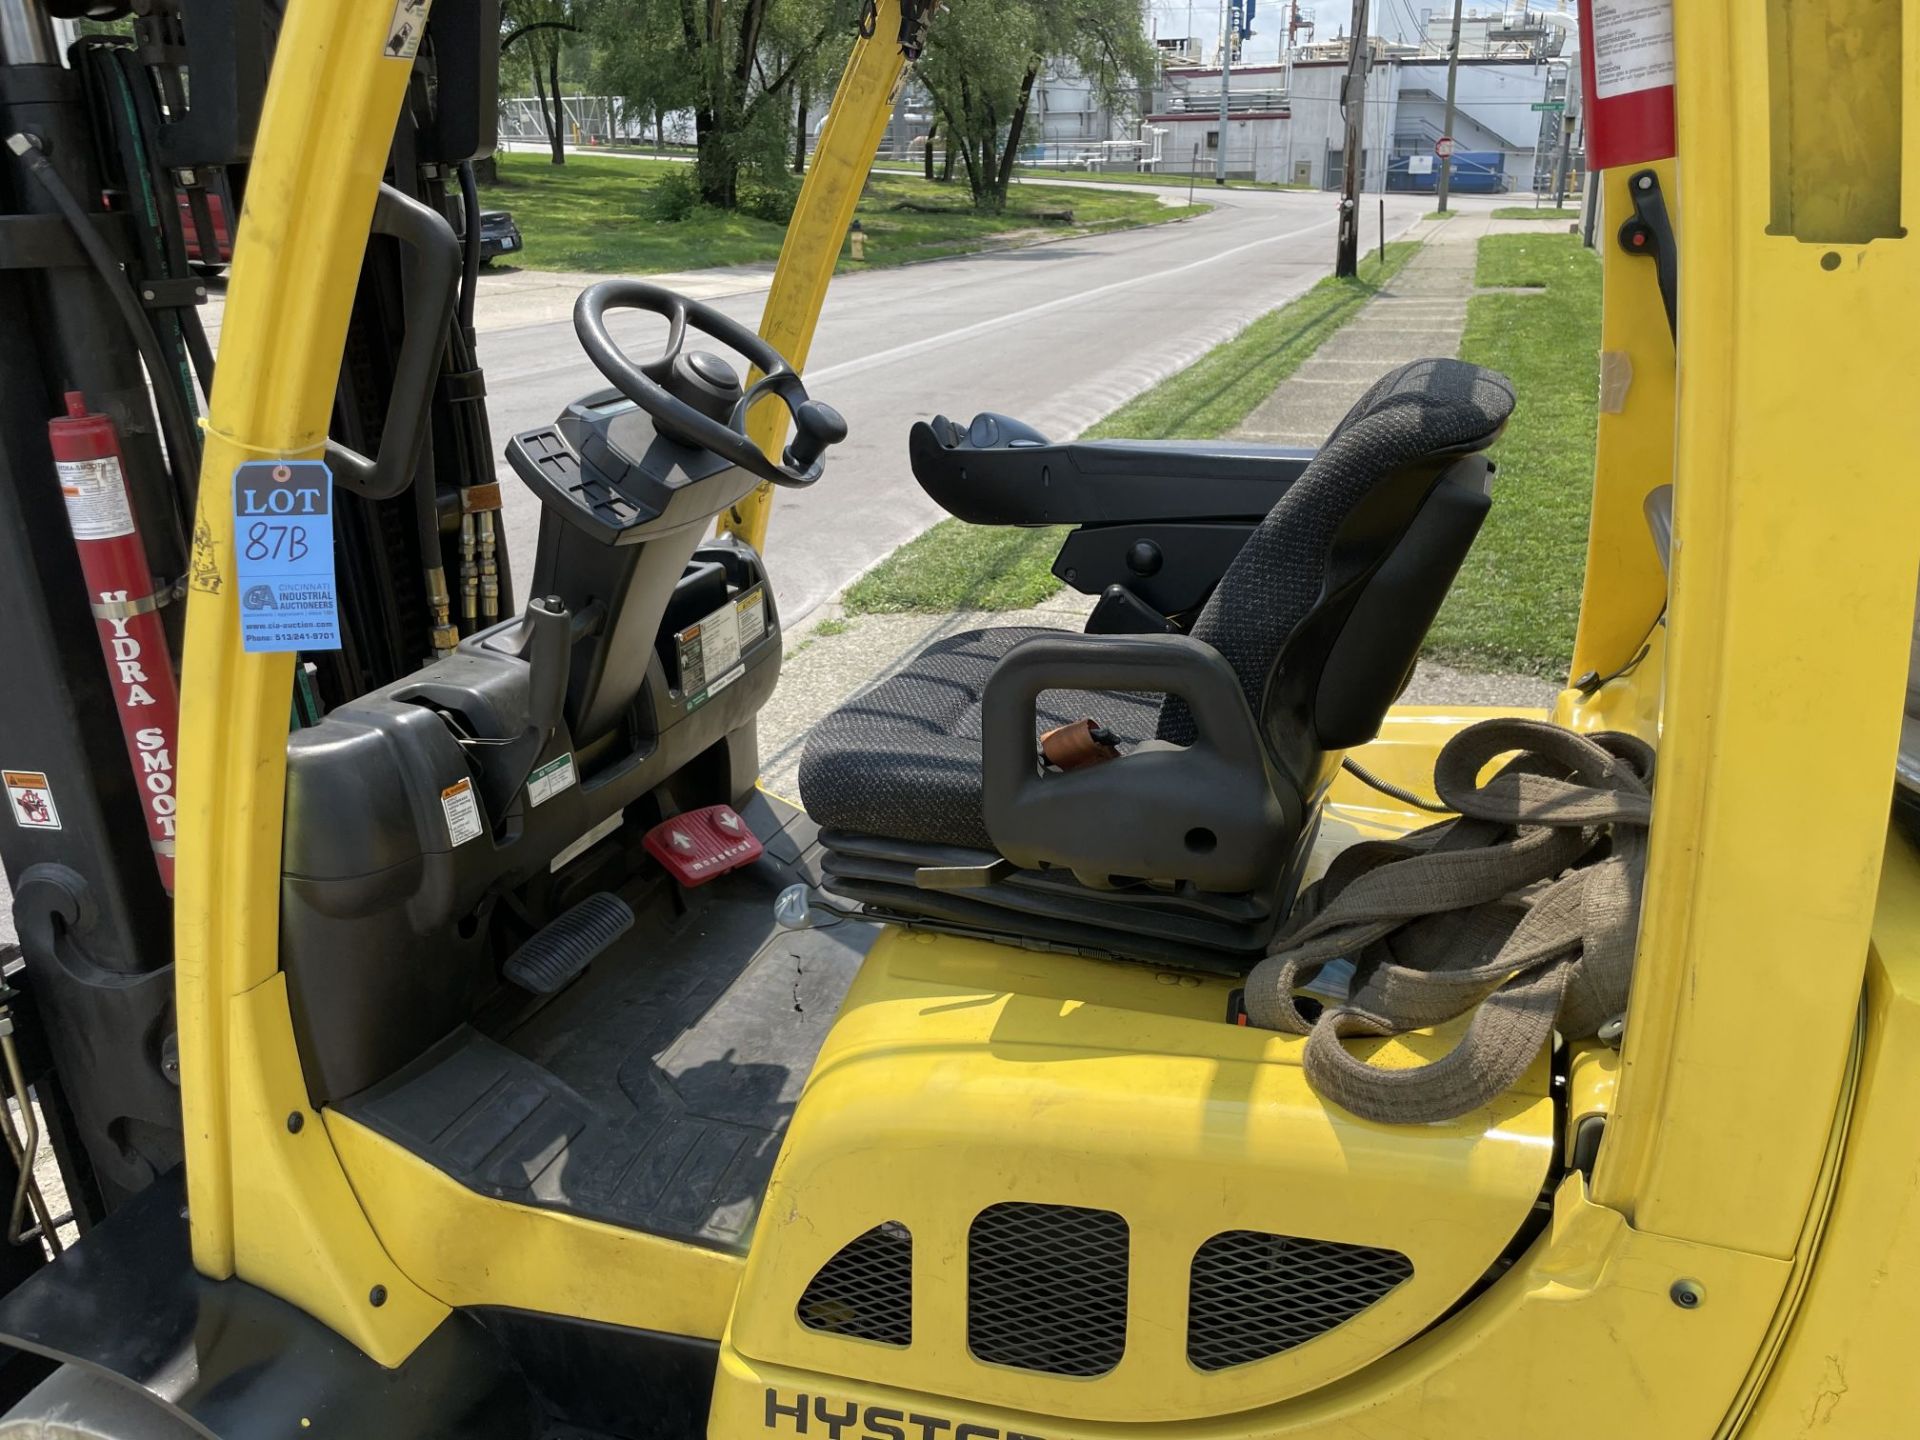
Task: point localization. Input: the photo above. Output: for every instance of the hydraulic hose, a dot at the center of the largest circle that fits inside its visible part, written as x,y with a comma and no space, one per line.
470,256
183,440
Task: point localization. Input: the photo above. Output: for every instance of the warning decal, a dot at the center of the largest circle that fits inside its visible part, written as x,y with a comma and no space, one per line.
405,29
462,810
30,798
1632,46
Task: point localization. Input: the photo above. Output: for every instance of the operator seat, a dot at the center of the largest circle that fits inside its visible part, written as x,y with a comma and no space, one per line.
1187,845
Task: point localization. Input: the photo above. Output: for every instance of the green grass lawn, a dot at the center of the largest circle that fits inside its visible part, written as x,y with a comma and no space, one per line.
1517,600
956,566
1439,215
1529,212
594,213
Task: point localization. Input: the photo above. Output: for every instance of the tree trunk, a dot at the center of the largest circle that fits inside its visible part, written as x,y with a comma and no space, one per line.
714,160
540,98
1013,131
660,131
800,134
927,158
557,133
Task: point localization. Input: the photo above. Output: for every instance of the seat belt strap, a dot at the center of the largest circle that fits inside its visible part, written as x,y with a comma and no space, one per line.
1521,913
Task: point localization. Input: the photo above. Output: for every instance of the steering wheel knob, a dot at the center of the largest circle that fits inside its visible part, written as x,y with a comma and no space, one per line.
815,427
706,382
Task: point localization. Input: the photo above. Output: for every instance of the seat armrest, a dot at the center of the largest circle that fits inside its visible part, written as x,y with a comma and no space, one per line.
997,471
1213,813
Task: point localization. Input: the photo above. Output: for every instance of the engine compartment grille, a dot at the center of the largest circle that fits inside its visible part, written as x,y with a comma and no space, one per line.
1253,1295
865,1291
1047,1288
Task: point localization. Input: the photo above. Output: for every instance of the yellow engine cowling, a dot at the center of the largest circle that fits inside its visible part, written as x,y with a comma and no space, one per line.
1088,1170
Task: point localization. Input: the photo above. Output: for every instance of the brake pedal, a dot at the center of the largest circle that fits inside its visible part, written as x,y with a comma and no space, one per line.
566,946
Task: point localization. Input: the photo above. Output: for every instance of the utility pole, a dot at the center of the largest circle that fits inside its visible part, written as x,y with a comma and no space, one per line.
1226,80
1453,81
1346,260
1568,118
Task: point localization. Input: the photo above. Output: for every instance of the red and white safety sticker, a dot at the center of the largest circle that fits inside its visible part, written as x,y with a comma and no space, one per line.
30,799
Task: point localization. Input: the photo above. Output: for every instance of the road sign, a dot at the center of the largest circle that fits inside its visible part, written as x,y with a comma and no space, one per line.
1549,104
1443,147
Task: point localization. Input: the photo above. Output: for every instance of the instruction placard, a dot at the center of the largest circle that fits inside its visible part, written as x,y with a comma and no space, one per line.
549,780
710,652
96,496
283,556
1632,46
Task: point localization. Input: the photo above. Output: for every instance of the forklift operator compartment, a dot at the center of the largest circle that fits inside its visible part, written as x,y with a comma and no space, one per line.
540,1012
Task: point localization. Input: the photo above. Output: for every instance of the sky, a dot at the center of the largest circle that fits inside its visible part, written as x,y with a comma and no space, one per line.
1395,19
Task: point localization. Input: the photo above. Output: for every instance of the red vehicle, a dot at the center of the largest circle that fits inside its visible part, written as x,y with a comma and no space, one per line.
222,232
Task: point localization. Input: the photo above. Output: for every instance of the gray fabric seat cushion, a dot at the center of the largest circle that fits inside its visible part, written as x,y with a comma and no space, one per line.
903,760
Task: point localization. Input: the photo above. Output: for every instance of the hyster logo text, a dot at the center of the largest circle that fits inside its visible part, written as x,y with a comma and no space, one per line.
804,1414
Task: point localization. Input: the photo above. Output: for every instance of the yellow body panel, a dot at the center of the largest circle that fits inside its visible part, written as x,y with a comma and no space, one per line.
1625,587
855,123
298,1228
1846,1366
961,1074
465,1248
267,1205
1579,1340
1797,529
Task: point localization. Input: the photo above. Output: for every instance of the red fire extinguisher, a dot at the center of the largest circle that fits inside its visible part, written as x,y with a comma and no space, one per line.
86,453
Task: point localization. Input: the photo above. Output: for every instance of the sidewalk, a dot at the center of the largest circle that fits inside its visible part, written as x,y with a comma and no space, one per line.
1423,312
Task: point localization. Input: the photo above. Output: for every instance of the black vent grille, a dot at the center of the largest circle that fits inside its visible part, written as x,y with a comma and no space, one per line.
1047,1288
866,1290
1254,1295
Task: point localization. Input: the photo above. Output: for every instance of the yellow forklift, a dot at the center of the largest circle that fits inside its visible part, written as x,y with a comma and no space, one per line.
542,1077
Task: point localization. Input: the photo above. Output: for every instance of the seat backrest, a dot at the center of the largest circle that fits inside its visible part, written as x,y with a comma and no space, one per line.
1323,611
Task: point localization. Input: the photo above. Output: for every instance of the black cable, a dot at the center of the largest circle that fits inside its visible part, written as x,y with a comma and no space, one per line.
470,240
1387,787
183,439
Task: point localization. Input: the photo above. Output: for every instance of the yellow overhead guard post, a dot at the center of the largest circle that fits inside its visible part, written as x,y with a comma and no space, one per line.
855,122
268,1199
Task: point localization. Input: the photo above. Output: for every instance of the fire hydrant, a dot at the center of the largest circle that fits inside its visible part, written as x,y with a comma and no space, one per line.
857,241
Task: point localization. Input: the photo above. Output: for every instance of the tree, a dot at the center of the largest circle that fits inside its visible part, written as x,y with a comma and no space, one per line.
984,57
732,62
541,28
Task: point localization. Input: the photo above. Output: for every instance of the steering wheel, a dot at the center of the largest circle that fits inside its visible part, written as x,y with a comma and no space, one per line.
696,397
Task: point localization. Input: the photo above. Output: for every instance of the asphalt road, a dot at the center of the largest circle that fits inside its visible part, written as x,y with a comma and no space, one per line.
1056,334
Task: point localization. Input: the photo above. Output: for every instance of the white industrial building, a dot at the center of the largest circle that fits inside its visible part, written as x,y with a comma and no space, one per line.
1285,121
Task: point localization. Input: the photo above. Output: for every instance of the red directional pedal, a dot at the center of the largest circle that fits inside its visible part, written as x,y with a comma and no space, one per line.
703,845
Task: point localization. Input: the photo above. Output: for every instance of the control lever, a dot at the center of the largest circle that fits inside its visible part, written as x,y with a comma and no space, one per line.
549,639
815,427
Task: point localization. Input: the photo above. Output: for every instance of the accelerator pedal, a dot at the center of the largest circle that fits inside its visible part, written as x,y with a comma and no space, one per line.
562,949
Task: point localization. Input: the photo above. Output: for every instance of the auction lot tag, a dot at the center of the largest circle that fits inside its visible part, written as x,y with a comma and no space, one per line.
283,555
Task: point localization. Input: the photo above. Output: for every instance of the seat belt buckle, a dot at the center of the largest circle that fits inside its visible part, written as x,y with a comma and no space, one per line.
703,845
1079,744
